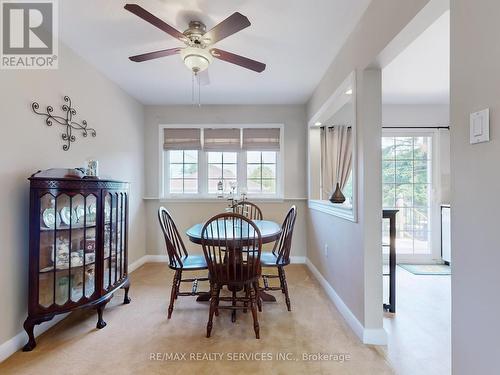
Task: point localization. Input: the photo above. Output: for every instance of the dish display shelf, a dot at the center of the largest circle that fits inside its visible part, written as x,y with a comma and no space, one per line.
78,245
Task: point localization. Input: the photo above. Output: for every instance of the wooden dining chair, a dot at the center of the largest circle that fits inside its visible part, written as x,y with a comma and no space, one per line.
279,257
248,209
232,245
179,259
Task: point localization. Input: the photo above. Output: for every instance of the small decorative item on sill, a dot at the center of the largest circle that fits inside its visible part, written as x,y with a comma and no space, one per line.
220,190
337,196
92,169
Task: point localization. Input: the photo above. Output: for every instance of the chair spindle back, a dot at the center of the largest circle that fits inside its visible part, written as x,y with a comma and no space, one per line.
248,209
283,246
175,247
232,245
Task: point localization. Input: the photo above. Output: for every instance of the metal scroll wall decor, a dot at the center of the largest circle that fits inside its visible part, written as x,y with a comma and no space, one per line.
65,120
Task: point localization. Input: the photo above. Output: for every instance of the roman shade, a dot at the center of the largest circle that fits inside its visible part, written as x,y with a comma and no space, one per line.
221,139
181,139
261,139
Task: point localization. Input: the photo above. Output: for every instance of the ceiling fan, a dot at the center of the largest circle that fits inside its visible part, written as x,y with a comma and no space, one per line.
198,52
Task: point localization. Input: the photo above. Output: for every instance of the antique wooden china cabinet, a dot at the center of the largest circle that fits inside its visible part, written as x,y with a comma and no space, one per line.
78,244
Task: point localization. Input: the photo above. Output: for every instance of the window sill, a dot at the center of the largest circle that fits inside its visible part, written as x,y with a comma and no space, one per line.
326,207
179,199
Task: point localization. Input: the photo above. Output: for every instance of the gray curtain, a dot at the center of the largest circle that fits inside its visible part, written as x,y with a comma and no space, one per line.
336,158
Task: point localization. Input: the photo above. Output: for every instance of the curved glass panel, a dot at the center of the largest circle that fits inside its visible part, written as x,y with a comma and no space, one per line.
107,240
48,220
62,253
77,224
89,244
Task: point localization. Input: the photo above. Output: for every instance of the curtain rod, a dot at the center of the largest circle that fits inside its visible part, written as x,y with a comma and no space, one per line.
331,127
397,127
416,127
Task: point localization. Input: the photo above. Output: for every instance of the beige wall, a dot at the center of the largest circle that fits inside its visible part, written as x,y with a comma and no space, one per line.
28,145
475,85
415,114
188,213
352,267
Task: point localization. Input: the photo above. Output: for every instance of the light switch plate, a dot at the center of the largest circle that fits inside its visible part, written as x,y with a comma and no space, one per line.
480,126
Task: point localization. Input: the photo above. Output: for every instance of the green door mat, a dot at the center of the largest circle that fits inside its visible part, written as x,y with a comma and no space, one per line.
427,269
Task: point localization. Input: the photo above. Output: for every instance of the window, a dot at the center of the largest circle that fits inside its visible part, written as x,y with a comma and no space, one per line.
222,167
348,191
407,186
183,171
243,159
261,172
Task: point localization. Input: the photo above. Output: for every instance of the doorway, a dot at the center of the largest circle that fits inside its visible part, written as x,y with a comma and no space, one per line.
415,157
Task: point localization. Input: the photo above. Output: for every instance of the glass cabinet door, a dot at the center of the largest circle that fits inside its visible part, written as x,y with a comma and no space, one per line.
67,248
122,234
108,240
114,238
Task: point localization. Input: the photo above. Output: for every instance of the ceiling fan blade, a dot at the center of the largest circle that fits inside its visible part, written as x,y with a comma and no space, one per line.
232,24
203,78
152,19
155,55
238,60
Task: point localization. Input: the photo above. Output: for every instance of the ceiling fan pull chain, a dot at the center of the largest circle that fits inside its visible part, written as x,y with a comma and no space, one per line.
199,92
192,88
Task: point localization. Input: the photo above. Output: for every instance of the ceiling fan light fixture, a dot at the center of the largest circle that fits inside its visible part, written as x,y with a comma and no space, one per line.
196,59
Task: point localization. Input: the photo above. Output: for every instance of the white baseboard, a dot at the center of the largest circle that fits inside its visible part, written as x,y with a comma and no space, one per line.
374,336
146,259
298,260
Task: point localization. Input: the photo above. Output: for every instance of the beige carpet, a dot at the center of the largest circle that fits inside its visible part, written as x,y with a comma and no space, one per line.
136,331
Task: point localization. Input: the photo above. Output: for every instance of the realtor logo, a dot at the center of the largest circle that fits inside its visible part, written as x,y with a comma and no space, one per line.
29,34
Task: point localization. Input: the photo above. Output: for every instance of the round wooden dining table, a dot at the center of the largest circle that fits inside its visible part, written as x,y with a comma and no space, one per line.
269,230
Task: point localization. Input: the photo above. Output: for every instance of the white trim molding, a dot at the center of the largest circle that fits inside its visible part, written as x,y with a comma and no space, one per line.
223,200
326,207
373,336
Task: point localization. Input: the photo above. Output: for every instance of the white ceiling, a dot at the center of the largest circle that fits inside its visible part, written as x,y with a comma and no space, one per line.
297,39
421,73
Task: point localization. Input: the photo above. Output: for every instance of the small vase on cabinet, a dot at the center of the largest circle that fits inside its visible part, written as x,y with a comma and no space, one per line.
78,245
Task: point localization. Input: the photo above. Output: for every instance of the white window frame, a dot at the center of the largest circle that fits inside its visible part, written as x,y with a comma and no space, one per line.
163,171
435,240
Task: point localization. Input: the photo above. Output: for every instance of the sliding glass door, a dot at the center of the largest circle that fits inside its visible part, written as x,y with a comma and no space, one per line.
407,185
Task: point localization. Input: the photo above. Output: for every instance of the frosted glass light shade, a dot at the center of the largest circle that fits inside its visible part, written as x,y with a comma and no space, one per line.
196,59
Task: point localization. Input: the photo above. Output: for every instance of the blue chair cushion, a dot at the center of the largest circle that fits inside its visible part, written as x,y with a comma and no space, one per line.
194,262
267,258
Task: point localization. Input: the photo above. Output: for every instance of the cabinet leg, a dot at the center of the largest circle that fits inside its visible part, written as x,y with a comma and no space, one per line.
126,299
29,325
100,322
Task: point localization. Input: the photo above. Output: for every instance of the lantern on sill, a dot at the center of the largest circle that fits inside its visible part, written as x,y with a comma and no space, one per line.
220,189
